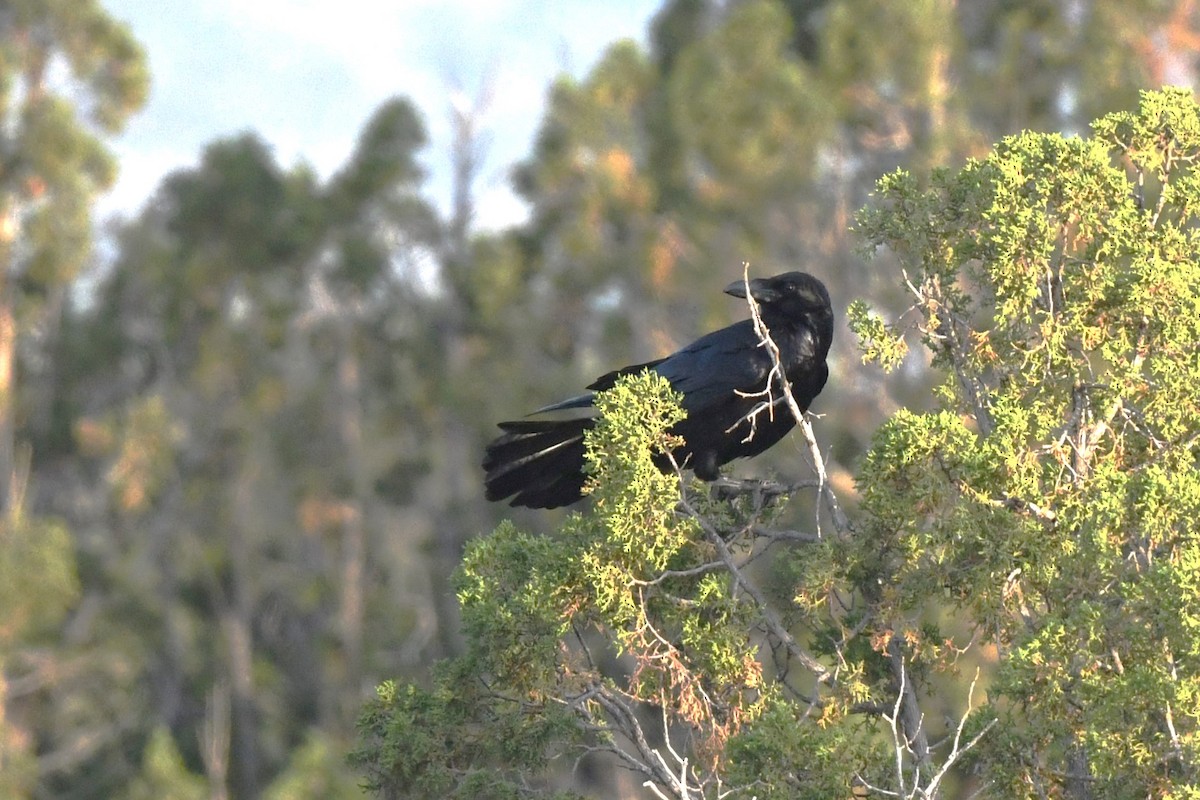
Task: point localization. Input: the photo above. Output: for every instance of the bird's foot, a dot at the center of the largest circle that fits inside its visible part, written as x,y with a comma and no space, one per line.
762,492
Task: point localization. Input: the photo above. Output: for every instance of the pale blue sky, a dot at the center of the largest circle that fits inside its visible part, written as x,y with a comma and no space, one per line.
306,74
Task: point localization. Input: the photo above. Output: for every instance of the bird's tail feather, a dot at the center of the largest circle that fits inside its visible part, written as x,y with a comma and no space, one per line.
539,461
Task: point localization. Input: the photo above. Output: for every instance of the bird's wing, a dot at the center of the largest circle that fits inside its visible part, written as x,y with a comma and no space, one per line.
705,372
712,368
807,385
608,380
601,384
582,401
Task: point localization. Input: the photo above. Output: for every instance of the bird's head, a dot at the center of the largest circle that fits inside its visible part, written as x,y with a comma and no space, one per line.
790,295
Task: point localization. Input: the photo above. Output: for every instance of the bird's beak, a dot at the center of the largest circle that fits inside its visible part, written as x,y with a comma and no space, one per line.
760,290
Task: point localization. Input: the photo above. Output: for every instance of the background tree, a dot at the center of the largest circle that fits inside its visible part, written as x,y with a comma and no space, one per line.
1056,284
54,164
235,515
69,76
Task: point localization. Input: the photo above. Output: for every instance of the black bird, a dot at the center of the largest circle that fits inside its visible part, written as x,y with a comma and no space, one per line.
540,462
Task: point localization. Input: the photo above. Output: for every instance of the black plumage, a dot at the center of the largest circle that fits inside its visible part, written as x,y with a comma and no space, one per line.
539,463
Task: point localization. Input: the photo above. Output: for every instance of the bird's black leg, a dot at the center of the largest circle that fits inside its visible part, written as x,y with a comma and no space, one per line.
705,465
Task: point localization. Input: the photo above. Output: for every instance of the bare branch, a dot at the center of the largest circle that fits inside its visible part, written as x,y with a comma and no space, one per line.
903,747
840,522
909,706
949,338
762,492
699,569
773,622
956,752
626,724
784,536
777,378
650,762
900,746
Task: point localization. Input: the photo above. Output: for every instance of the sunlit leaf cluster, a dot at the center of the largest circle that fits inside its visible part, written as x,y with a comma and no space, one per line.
1053,496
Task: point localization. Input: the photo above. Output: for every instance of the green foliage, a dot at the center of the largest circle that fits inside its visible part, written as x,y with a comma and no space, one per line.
462,739
1053,498
785,756
541,614
632,496
315,772
38,583
876,341
164,773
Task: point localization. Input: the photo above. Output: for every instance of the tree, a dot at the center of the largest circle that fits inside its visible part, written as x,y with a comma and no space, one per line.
236,379
260,421
164,773
53,163
69,76
1012,607
1055,488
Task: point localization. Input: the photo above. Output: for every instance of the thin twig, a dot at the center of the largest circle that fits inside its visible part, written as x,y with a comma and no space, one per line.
955,751
777,377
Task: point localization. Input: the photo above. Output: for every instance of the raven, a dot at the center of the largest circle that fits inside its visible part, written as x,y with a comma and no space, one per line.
541,461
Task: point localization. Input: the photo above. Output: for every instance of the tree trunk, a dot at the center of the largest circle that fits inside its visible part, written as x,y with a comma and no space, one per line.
1079,773
243,739
9,494
237,620
354,532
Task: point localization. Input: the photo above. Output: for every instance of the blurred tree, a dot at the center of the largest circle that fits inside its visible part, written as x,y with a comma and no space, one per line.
38,584
69,75
375,227
242,526
164,773
52,163
316,772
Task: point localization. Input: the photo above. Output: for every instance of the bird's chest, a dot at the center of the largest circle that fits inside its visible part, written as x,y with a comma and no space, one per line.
797,351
